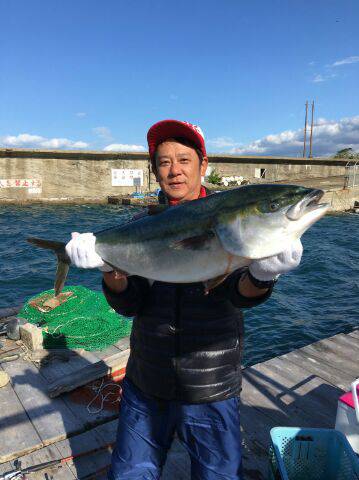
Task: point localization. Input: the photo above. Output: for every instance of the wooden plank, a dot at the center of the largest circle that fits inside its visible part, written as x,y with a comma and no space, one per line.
272,397
45,455
78,467
123,343
18,436
345,343
101,354
354,334
46,357
10,311
57,370
107,431
52,419
86,442
319,368
331,356
333,345
82,413
310,392
264,399
90,419
88,373
9,345
5,468
79,361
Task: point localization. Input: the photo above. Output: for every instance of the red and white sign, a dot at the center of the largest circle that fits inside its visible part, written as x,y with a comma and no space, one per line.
31,183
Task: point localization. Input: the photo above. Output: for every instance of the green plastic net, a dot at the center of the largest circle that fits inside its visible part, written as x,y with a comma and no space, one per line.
84,319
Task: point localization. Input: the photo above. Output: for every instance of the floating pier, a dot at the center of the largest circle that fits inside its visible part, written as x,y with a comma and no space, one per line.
300,388
135,201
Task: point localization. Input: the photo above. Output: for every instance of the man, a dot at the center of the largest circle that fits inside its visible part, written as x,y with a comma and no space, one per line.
183,374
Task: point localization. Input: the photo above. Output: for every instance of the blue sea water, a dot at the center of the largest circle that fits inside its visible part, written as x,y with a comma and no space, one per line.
317,300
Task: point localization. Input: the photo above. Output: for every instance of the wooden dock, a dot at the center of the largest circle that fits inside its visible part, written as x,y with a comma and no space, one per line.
300,388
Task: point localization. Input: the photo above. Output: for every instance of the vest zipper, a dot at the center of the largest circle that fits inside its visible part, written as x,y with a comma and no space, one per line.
177,330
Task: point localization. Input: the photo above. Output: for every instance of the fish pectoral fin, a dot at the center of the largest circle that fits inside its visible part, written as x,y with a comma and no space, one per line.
229,235
156,209
214,282
193,243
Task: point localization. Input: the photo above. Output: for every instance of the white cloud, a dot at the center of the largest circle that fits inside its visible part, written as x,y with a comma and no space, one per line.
329,136
323,77
103,132
122,147
26,140
81,114
222,142
346,61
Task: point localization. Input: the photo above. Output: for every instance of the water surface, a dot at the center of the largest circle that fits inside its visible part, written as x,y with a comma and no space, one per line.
317,300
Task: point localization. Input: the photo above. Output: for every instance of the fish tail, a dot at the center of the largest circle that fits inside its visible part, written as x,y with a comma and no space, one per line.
63,260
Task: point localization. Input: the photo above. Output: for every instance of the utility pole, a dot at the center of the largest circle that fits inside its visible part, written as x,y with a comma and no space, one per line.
305,127
311,132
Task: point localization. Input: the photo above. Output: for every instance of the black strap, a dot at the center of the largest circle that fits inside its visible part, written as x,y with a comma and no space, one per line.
261,283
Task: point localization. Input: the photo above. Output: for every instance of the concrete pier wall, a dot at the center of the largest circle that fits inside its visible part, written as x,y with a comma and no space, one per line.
64,177
32,176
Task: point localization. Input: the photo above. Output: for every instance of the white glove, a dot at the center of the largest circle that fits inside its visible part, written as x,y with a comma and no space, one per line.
82,253
270,268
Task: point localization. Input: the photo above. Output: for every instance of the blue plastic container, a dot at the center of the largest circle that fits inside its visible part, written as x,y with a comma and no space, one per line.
311,454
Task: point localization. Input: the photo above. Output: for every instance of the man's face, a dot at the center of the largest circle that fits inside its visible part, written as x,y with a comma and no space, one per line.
179,171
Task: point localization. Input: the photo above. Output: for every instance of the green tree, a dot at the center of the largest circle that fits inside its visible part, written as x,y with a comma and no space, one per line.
346,153
214,177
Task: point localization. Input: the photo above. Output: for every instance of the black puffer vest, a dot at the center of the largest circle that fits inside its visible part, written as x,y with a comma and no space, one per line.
185,345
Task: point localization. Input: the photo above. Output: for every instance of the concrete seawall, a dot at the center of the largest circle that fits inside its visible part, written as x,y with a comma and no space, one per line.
44,176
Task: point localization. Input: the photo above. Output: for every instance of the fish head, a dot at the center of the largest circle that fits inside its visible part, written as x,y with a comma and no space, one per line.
268,218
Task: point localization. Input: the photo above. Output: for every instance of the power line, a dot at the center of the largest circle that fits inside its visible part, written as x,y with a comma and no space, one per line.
311,132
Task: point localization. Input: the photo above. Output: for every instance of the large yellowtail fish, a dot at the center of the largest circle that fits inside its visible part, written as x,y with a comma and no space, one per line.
206,239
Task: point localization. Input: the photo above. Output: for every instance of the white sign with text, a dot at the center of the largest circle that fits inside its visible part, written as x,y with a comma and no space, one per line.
126,177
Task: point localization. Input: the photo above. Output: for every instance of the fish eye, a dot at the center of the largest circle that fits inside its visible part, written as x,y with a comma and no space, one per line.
273,206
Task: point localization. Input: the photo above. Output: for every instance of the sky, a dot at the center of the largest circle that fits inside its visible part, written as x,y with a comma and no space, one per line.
96,75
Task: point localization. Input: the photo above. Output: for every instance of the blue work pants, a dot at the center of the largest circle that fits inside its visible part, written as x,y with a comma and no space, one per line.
209,431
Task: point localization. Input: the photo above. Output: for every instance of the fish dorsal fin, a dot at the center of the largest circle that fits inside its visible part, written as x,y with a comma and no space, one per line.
194,243
156,209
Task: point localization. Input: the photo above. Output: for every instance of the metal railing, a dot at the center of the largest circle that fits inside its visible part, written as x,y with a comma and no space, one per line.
351,178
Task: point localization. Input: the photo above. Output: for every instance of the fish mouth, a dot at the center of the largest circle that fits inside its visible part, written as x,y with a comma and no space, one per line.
306,205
